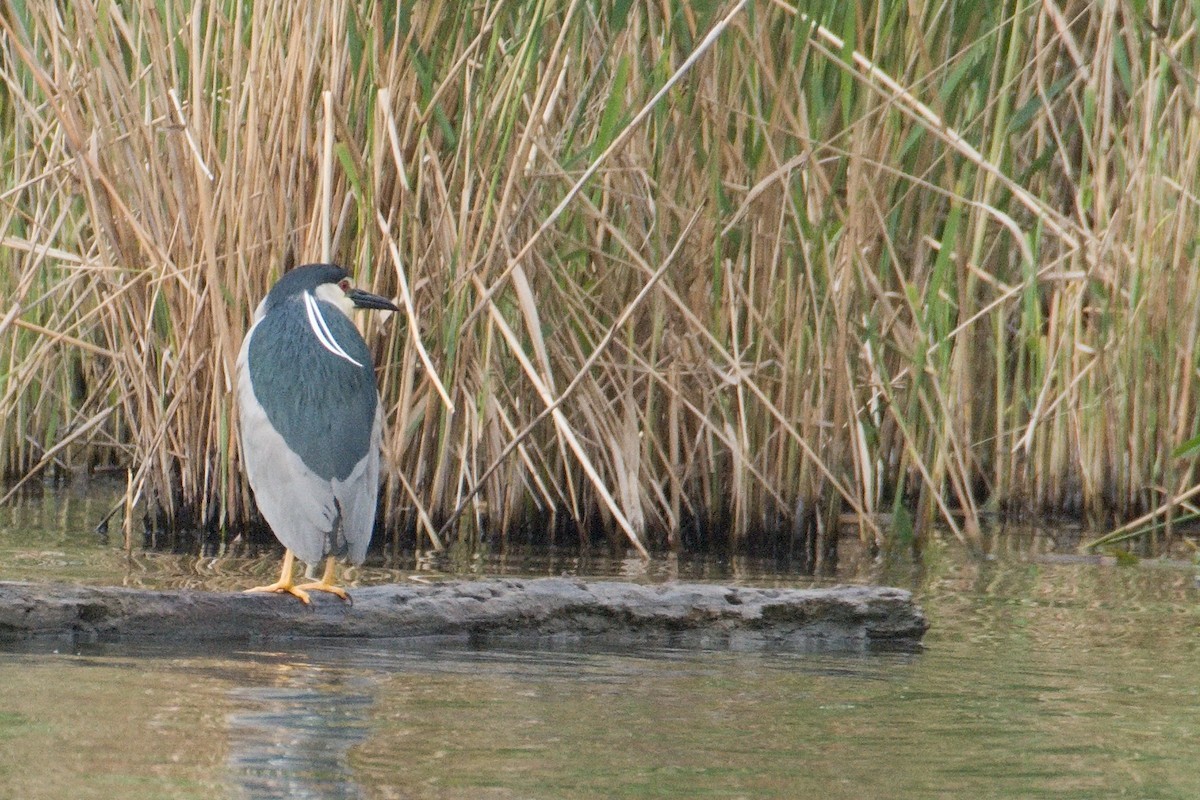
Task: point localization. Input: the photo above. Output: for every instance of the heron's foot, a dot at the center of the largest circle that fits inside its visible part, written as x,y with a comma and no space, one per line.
285,587
326,584
322,586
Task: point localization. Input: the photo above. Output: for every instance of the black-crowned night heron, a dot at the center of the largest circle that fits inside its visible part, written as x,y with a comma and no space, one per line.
310,422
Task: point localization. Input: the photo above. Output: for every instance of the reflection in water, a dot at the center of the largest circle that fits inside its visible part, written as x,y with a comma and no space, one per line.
1041,677
292,740
50,537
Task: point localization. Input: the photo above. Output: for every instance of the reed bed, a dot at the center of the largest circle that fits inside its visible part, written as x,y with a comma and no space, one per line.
675,274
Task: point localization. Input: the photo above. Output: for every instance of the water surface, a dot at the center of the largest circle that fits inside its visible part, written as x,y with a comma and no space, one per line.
1037,680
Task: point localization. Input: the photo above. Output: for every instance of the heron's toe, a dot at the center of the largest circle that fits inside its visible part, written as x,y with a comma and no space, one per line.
282,587
321,586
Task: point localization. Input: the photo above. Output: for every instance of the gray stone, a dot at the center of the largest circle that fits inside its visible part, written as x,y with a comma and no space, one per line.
553,610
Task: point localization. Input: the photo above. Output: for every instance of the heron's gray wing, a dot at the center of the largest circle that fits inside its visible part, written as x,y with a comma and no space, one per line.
358,496
297,503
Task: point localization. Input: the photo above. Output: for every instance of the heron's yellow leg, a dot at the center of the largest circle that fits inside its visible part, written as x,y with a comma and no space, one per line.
285,583
326,583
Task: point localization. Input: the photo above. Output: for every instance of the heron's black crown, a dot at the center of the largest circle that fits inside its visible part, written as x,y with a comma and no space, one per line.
303,279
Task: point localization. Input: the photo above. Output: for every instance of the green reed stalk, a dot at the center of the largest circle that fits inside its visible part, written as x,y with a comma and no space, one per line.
678,273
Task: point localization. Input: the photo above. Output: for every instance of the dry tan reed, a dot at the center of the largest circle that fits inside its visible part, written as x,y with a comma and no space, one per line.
677,274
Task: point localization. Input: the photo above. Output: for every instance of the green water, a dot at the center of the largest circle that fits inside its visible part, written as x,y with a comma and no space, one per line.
1037,680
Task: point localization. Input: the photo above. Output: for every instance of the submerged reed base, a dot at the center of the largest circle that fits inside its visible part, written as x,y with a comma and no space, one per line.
552,611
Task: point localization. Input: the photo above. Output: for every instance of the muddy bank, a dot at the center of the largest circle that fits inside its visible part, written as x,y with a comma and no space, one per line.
553,609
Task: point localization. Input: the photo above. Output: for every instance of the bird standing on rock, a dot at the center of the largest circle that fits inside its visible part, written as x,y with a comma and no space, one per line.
311,422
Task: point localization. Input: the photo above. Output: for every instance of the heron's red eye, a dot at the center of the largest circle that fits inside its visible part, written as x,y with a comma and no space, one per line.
345,284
